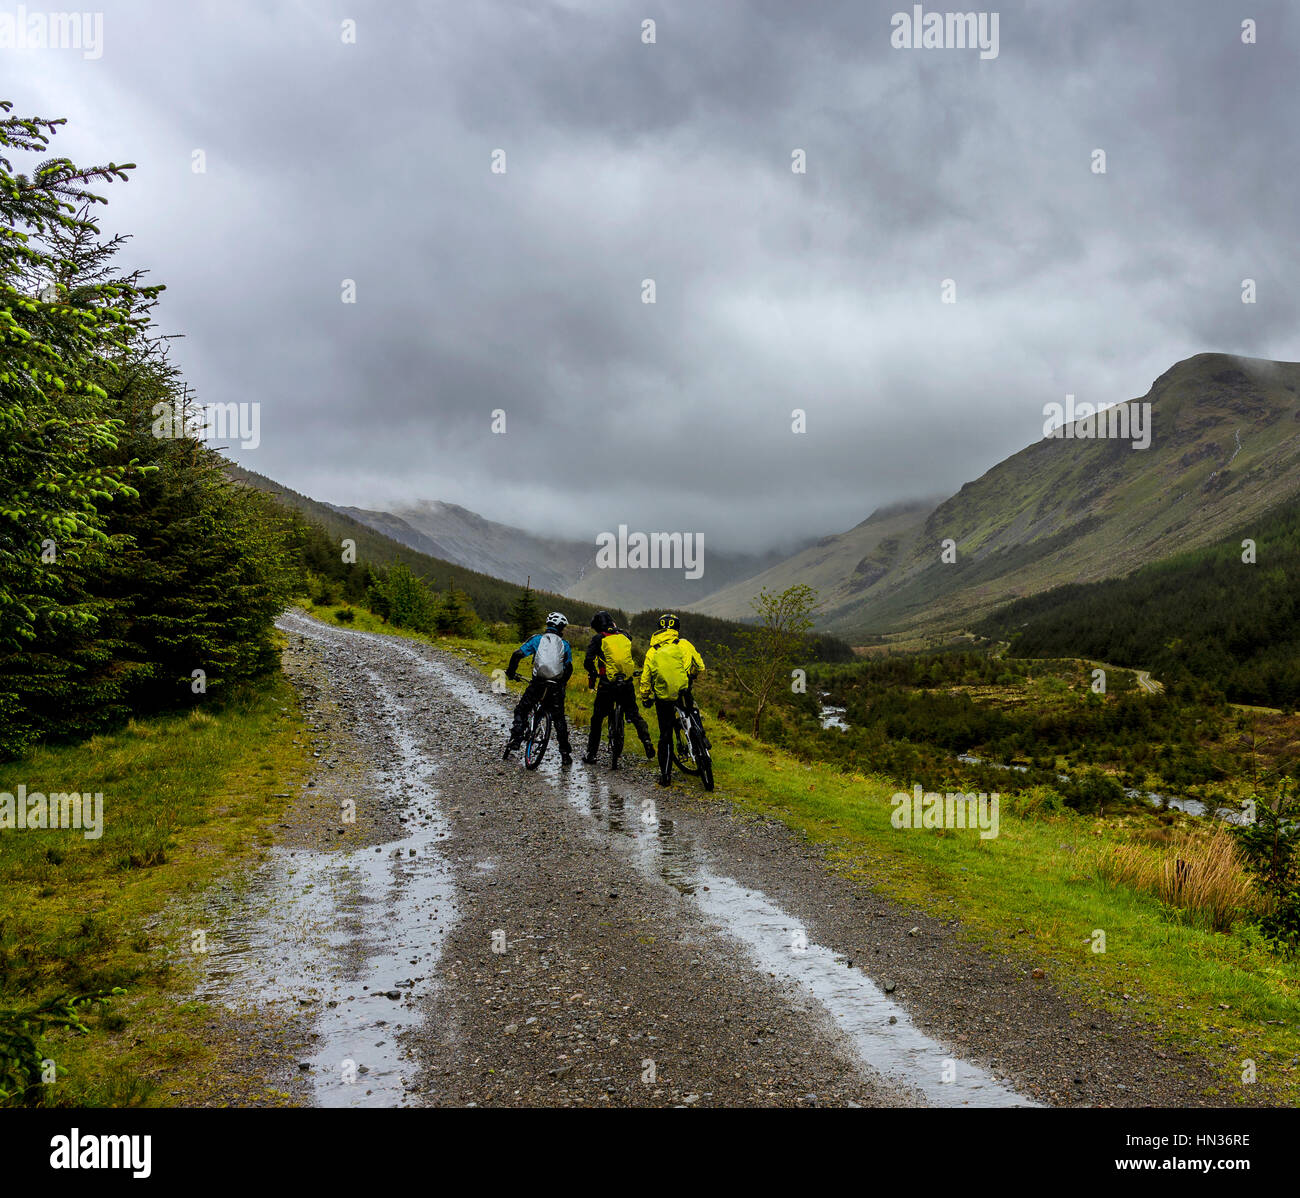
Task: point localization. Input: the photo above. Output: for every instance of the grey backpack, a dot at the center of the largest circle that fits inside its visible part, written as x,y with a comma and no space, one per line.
548,660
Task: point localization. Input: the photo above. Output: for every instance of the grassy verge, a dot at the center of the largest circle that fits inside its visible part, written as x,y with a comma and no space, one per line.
1036,891
186,800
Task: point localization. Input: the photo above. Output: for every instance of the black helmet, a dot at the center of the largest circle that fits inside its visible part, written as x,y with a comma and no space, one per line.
602,621
667,620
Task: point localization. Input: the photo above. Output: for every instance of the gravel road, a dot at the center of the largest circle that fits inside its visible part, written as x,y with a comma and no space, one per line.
450,929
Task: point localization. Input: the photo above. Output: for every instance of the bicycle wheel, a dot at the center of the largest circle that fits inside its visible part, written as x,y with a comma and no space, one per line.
683,752
539,734
616,729
702,755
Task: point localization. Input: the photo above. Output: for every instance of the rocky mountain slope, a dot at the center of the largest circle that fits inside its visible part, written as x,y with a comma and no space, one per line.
1225,449
568,567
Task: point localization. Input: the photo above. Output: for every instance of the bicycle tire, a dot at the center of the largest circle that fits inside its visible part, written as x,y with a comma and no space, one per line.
541,722
617,730
682,750
702,755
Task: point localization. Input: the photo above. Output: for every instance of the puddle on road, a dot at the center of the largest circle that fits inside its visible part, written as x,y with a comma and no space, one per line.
774,940
778,943
898,1050
352,936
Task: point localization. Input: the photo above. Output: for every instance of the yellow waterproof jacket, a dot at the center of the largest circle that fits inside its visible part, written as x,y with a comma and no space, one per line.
670,664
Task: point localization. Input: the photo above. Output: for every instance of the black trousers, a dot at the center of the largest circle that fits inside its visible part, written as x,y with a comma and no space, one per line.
608,696
666,711
533,694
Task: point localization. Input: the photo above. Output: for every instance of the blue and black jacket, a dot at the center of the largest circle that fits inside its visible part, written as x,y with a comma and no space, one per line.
529,647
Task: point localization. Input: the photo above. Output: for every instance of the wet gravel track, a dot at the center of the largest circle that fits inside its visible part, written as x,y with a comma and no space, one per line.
482,935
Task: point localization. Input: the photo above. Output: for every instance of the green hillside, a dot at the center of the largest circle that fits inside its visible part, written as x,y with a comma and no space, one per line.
491,597
1204,614
1225,450
840,568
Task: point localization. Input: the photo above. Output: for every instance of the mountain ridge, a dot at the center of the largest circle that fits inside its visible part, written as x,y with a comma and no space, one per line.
1225,449
565,566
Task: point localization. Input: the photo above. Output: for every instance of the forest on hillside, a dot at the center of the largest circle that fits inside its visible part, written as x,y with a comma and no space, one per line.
1225,614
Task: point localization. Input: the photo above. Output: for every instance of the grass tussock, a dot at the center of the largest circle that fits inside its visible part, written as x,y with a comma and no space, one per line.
1201,876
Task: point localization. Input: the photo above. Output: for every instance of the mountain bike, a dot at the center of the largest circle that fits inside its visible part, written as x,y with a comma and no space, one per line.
539,725
617,722
622,694
690,745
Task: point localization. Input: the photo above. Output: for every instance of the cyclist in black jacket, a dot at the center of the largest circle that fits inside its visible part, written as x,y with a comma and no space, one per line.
611,670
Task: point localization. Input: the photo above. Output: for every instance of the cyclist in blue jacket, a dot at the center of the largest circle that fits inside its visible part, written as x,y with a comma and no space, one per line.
552,663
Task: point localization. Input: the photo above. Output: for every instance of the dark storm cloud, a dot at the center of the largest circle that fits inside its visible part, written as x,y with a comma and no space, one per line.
479,291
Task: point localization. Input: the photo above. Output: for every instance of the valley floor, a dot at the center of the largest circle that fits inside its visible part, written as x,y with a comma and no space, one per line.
419,923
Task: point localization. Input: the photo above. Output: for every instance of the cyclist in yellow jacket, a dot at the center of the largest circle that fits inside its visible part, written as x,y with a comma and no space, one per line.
611,670
671,664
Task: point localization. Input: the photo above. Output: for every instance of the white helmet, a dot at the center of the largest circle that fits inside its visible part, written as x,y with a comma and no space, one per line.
557,620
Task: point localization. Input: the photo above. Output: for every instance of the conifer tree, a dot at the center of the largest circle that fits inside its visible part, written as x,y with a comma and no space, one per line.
455,614
525,615
115,595
53,420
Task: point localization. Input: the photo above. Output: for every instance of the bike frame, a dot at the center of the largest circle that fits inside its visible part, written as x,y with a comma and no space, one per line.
690,725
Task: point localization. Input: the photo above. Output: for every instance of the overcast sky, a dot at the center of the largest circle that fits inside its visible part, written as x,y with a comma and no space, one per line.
671,161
